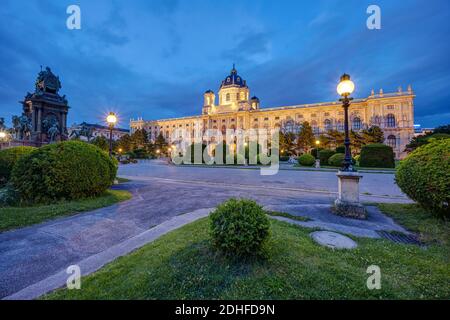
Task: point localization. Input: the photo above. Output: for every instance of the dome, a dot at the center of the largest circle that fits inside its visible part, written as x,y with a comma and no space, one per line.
234,80
209,91
254,98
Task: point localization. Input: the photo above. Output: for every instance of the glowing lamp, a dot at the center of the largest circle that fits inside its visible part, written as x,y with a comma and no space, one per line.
345,86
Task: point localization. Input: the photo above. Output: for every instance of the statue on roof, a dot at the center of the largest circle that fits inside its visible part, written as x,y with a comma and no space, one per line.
47,82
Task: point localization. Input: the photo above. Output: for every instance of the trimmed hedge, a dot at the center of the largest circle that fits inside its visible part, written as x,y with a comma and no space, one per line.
424,175
239,227
377,155
336,160
324,155
306,160
66,170
340,149
8,159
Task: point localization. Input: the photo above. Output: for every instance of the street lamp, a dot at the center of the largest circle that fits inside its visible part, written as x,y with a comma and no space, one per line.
347,203
111,119
345,88
2,137
317,148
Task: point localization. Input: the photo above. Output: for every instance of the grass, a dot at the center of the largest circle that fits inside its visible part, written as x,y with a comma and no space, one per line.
182,265
429,229
18,217
287,215
122,180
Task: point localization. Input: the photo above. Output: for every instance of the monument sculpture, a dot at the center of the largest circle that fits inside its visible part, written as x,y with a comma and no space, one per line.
44,115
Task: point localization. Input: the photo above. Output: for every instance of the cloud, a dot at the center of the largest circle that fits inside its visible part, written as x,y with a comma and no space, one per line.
251,47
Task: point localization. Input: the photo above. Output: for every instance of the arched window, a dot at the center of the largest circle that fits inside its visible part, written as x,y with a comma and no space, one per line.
289,126
315,127
356,123
224,129
340,125
391,141
328,124
227,97
237,96
390,121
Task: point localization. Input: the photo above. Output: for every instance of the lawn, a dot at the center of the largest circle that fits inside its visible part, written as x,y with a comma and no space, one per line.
182,265
17,217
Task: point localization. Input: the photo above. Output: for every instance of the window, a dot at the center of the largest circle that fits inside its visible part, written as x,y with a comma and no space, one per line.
340,125
390,121
256,119
227,97
313,115
266,119
390,107
356,123
391,141
237,96
314,126
327,114
328,124
277,118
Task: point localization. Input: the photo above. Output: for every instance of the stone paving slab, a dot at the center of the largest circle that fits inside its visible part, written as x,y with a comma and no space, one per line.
96,261
333,240
321,217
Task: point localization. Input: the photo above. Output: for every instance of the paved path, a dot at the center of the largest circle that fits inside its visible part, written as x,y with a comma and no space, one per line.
160,193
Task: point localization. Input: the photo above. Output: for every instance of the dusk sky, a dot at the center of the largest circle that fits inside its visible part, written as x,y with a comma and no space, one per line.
155,58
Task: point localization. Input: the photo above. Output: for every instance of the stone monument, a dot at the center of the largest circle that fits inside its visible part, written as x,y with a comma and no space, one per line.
44,116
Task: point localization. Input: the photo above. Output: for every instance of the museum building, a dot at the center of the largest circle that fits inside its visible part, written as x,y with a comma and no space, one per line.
392,112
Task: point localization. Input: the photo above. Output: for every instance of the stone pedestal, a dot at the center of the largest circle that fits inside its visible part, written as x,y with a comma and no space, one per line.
317,165
347,204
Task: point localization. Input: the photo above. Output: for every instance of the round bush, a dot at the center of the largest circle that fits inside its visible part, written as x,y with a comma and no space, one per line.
306,160
336,160
66,170
377,155
324,155
8,159
424,175
239,227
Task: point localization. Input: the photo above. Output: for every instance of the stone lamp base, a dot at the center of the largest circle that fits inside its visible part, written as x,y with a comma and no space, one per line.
347,204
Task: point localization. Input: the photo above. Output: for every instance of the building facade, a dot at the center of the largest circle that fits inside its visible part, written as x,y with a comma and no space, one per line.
392,112
88,131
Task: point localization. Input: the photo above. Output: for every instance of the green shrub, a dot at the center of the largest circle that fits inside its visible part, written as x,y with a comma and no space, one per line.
340,149
357,158
239,227
324,155
65,170
8,159
377,155
306,160
424,175
336,160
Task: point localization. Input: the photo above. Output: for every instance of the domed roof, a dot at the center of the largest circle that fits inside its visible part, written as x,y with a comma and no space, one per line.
234,80
255,98
209,91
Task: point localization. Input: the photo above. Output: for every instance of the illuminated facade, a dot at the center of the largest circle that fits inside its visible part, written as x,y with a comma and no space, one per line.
392,112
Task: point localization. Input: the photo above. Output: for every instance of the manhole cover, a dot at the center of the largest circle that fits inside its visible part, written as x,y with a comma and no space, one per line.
333,240
398,237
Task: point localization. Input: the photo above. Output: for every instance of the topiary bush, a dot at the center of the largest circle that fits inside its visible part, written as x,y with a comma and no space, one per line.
324,155
239,227
377,155
65,170
306,160
8,159
424,175
336,160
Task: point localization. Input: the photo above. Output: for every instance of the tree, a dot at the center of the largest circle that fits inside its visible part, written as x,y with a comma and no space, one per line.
139,139
125,143
334,138
372,135
305,139
160,143
357,141
101,142
419,141
287,143
442,129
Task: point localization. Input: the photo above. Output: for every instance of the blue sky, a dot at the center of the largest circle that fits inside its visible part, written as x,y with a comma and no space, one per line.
155,58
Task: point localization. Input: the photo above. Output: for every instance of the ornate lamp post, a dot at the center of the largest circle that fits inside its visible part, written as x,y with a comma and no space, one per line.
317,154
345,88
347,204
111,119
